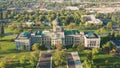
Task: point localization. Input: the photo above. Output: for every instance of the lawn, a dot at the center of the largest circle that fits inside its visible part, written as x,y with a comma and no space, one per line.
101,58
8,51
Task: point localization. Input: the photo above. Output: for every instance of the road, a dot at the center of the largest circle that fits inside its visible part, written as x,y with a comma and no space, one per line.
70,60
45,61
76,59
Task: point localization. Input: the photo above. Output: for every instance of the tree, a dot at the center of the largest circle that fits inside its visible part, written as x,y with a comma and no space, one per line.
113,19
32,61
16,31
80,48
88,63
14,57
42,47
85,64
94,51
52,47
101,30
74,46
89,56
1,36
109,25
22,60
113,51
35,46
1,29
35,55
83,20
59,46
3,64
59,58
71,26
108,46
14,26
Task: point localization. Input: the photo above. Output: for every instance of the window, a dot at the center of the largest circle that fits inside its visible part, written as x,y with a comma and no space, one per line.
92,43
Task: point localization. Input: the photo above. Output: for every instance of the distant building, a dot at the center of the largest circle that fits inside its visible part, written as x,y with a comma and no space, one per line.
43,9
57,1
91,19
29,10
57,34
29,23
91,40
103,9
71,8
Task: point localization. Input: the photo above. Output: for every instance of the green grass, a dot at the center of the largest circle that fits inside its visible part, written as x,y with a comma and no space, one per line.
7,46
100,59
70,50
8,50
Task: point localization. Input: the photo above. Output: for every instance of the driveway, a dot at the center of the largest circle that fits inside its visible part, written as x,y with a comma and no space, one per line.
70,62
76,59
45,61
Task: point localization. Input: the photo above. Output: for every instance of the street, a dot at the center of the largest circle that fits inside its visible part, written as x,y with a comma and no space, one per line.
45,61
70,60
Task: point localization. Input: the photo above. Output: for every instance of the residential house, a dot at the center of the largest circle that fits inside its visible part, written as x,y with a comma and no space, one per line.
72,8
92,20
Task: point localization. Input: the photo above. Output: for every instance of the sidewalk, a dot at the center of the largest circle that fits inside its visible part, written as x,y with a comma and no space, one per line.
76,59
45,60
70,61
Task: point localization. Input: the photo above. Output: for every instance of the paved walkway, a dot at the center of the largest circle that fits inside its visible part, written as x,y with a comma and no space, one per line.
45,61
76,59
70,63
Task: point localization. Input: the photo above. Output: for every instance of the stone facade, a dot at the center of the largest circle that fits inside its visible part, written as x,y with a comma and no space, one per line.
91,40
57,34
23,40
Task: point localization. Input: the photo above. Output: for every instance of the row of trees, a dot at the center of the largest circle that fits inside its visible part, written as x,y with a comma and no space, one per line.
109,47
37,47
37,16
20,61
91,54
59,57
89,63
18,3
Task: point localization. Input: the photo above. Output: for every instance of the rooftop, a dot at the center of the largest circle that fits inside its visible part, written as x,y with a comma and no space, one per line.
71,32
91,35
24,35
45,33
38,32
